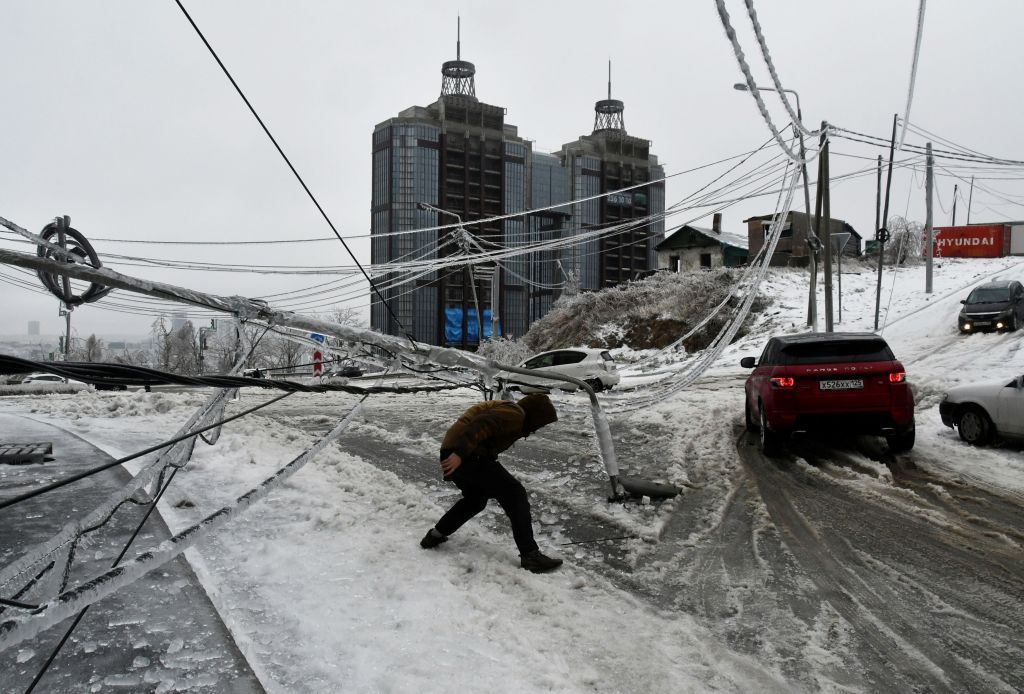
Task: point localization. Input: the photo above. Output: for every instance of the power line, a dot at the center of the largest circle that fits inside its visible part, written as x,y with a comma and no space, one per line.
280,151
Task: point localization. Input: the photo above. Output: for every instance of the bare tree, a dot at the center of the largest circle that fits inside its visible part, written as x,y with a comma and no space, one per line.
184,349
906,241
161,344
345,315
285,353
91,349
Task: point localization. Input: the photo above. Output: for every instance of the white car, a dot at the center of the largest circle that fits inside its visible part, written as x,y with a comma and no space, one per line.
593,366
981,411
43,378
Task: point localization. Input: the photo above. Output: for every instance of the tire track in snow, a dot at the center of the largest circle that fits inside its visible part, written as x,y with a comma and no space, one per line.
830,527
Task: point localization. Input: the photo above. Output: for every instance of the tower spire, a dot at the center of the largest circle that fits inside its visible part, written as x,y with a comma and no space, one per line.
608,112
457,76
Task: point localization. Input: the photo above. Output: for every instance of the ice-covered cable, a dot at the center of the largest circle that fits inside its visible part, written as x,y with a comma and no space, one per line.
913,69
741,59
794,117
20,627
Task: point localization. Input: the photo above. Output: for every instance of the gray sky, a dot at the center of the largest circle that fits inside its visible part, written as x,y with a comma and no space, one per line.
115,114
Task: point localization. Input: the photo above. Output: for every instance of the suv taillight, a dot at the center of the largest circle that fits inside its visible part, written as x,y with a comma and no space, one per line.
897,377
783,382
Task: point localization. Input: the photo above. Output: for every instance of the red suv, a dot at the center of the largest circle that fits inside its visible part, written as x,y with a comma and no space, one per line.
828,382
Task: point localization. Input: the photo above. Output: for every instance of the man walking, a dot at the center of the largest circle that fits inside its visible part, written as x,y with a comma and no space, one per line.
469,458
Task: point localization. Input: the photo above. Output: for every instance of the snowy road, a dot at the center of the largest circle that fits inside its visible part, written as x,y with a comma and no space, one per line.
841,566
836,567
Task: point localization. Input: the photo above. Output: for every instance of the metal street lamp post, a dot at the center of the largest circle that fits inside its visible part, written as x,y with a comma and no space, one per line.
812,310
464,243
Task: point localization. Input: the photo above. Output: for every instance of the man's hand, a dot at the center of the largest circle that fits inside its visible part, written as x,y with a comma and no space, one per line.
451,464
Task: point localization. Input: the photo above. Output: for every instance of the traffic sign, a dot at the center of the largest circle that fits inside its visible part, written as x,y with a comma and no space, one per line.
318,364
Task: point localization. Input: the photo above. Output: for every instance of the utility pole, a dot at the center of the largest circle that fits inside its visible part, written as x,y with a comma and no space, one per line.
882,235
929,231
826,208
970,197
63,224
954,204
463,239
819,191
878,195
495,288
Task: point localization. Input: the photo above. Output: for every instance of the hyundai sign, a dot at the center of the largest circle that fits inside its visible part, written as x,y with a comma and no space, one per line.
974,241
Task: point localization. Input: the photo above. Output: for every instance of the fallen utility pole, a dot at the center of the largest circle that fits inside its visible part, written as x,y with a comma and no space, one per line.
247,309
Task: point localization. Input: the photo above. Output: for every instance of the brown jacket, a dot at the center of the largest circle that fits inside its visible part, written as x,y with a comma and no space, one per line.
488,428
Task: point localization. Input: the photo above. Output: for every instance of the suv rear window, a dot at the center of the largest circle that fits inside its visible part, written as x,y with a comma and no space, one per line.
836,351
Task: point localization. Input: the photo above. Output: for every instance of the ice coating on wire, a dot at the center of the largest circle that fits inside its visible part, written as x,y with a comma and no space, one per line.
176,455
25,626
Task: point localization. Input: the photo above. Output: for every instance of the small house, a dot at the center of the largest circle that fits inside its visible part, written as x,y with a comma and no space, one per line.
690,247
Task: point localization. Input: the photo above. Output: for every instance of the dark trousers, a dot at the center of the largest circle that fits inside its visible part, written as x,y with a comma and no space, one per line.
480,480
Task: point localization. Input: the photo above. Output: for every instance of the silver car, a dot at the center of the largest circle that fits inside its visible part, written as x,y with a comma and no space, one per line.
981,411
593,366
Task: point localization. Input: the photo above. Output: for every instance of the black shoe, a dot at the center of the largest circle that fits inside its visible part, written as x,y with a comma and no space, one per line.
538,563
432,539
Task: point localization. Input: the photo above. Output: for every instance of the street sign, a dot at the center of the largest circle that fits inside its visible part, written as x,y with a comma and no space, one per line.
318,337
318,364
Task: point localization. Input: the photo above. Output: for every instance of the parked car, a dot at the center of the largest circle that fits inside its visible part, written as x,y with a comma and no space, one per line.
49,378
593,366
983,411
347,370
993,306
43,378
109,386
828,382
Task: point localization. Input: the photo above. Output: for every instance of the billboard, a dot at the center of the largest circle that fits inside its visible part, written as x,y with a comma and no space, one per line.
974,241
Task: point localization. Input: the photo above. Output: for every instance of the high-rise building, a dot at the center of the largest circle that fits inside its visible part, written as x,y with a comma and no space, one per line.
33,327
457,161
609,160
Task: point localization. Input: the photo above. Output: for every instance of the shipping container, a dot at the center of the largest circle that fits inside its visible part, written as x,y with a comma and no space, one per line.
974,241
1017,239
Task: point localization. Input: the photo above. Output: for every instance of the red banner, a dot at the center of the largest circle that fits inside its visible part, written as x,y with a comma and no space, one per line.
975,241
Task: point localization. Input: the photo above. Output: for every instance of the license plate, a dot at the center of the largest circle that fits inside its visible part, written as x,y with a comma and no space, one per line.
983,322
844,384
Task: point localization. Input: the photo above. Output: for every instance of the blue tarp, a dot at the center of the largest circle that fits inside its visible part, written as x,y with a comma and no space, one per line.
454,324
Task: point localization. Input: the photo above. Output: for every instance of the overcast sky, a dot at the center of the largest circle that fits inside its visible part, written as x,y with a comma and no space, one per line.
114,112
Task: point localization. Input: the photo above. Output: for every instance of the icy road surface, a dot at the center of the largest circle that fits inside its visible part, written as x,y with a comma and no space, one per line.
836,567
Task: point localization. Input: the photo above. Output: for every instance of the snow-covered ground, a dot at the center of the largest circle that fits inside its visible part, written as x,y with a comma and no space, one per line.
325,588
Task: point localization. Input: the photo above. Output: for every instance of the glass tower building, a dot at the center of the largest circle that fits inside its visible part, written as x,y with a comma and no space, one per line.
459,155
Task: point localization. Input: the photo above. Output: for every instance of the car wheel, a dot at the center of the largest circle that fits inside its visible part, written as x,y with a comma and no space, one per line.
595,383
1014,323
748,417
769,440
974,426
903,441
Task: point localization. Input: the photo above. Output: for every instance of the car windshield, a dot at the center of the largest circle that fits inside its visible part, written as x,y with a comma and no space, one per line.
836,351
989,295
